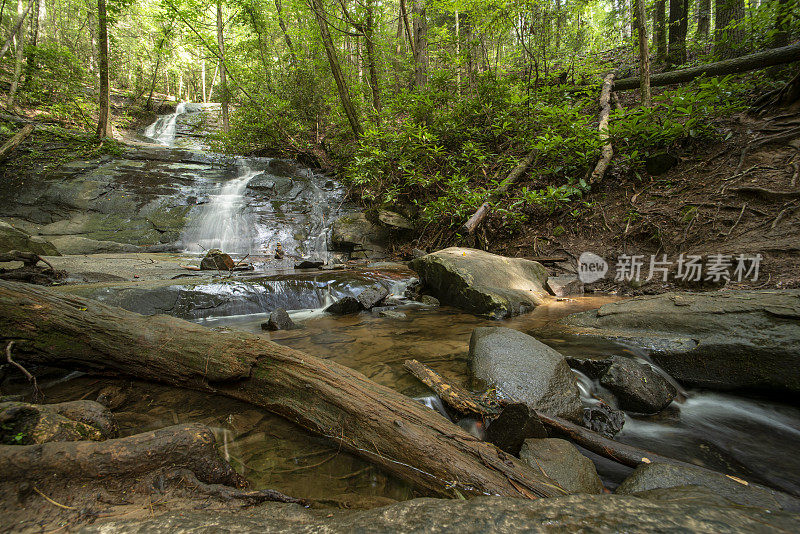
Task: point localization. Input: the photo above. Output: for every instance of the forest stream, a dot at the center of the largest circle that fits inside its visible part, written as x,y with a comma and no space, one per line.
246,213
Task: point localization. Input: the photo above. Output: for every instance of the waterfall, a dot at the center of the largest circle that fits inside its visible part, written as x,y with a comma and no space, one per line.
162,130
222,223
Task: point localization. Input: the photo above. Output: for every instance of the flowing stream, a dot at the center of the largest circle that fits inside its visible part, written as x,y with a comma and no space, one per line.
260,205
162,131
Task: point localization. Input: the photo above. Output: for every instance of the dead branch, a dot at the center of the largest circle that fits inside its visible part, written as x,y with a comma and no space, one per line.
37,393
608,151
15,141
454,396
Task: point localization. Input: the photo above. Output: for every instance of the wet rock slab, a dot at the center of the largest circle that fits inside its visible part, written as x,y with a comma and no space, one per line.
574,513
720,340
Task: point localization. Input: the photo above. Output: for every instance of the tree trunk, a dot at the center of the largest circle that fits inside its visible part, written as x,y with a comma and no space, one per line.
759,60
409,33
678,18
783,15
393,431
10,145
14,30
336,69
420,22
660,30
18,57
644,52
703,18
104,122
30,68
728,34
282,24
369,36
225,96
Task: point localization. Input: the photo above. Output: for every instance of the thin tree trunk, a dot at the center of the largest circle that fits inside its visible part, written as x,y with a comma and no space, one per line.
149,104
458,54
203,74
369,35
104,122
30,68
14,30
677,31
282,24
420,22
336,69
18,57
644,52
409,33
225,97
608,151
660,29
398,434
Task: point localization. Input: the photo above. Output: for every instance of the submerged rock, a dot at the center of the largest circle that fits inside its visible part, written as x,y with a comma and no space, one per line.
513,426
344,306
571,513
483,283
524,369
719,340
637,386
391,314
15,239
561,461
372,295
661,475
216,260
26,424
279,320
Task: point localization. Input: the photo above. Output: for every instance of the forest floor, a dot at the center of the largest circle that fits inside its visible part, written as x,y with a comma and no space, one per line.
737,196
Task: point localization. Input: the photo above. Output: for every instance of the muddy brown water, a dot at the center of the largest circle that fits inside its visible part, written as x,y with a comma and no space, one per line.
740,436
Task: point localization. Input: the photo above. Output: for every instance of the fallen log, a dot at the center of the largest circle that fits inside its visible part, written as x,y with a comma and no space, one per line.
608,151
480,214
454,396
15,141
757,61
394,432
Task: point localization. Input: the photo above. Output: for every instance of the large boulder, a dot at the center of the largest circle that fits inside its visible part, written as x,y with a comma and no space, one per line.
483,283
719,340
216,260
15,239
371,296
571,513
513,426
359,237
523,369
279,320
637,386
562,462
74,244
660,475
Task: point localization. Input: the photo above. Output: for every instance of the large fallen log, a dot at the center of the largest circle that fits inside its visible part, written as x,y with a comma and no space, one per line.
393,431
759,60
15,141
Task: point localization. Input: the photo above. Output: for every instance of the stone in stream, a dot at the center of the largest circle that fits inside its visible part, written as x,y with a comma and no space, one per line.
499,515
660,475
216,260
482,283
344,306
603,419
564,285
428,300
523,369
372,295
591,366
718,340
15,239
561,461
637,386
279,320
309,264
513,426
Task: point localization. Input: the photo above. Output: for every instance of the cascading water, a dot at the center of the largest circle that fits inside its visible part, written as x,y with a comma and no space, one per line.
224,223
163,129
